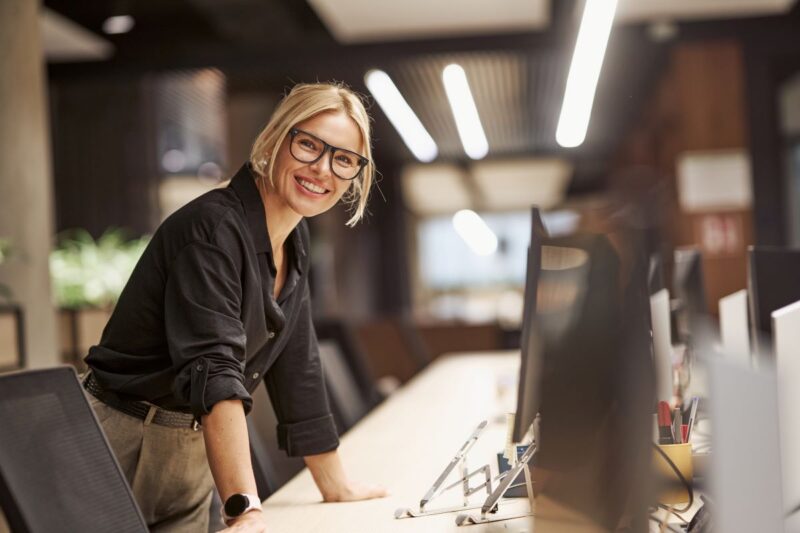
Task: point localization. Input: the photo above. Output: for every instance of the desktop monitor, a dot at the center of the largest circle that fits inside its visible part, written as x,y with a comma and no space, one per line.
530,367
689,290
587,369
773,282
655,273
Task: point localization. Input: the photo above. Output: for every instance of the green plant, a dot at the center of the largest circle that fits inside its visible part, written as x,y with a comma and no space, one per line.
89,273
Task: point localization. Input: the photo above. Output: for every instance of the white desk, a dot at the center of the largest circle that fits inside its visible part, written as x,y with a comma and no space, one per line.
405,444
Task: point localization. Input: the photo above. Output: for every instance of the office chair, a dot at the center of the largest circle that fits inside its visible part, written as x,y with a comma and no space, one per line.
57,471
393,348
271,466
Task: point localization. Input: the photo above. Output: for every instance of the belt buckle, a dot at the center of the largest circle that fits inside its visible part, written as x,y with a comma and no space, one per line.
195,425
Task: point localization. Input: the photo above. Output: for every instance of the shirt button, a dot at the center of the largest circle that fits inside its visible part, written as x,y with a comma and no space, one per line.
271,334
199,368
255,375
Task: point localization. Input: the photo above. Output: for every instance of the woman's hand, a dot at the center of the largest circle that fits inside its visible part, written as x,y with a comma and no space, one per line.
353,491
251,522
326,469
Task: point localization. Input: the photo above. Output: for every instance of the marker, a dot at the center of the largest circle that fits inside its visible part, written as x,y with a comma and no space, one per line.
664,424
692,417
677,422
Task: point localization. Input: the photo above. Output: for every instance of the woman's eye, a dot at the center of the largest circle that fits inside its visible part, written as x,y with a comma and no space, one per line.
345,160
306,143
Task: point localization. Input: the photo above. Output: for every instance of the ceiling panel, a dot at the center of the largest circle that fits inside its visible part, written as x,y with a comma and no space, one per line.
646,10
515,93
352,21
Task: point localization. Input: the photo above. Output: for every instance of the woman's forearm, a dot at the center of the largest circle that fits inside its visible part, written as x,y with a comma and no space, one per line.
228,449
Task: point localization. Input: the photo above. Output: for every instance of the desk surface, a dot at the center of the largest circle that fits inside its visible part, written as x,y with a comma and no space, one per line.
405,443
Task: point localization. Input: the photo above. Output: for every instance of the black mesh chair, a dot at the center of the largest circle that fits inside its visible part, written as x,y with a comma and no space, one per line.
57,471
351,390
271,466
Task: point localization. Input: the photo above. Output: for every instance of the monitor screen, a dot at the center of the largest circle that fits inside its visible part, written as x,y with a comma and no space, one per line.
530,366
587,369
773,281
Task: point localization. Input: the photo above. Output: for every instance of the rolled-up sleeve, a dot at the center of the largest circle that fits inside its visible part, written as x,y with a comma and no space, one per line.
297,390
204,329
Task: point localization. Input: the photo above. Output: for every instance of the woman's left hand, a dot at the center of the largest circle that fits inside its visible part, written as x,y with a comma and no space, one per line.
335,486
354,491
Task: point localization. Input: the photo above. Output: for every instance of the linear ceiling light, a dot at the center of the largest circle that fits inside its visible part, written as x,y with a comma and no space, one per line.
590,48
472,228
465,113
402,117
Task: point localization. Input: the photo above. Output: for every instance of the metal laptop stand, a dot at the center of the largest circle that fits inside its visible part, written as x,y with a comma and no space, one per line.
508,477
460,460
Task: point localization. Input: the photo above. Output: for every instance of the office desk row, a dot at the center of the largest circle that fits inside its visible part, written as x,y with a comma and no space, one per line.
406,442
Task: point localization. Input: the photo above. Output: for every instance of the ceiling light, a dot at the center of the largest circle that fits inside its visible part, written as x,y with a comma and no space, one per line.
465,113
590,48
472,228
118,24
402,117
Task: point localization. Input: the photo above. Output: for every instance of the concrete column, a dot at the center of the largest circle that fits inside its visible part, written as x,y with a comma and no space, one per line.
26,202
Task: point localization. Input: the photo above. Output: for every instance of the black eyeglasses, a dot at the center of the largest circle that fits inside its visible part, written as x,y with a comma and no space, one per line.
307,148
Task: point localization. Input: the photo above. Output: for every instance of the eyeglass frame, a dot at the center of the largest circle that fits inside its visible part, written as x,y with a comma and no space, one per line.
362,161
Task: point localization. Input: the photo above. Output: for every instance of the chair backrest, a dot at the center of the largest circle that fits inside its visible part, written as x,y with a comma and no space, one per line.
57,471
271,466
347,403
393,348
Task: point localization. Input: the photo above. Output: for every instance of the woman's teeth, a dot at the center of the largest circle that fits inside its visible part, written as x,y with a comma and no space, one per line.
310,186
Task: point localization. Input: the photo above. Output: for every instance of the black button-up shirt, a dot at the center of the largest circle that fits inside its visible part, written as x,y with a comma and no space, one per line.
197,322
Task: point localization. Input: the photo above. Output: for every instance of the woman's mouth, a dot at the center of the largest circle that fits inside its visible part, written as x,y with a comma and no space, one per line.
310,186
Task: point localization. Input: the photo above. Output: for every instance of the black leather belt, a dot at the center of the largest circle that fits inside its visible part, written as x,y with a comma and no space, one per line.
140,410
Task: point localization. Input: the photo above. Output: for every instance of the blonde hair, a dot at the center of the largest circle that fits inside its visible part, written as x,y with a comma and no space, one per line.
304,101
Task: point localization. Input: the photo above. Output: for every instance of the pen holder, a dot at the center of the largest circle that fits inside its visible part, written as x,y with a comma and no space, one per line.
671,488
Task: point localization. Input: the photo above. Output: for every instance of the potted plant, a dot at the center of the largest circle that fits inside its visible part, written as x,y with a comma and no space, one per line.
88,276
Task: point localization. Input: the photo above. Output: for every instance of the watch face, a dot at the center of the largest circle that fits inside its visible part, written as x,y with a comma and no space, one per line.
236,504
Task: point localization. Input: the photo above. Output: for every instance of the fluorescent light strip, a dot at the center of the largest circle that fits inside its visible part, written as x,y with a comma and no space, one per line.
472,228
402,117
590,48
465,113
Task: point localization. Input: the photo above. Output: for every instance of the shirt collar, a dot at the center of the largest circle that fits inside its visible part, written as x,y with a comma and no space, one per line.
244,185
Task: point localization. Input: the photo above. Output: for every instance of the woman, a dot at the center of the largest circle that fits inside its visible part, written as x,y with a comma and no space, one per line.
219,302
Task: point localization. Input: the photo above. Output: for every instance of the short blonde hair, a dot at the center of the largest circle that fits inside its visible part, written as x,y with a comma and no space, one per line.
307,100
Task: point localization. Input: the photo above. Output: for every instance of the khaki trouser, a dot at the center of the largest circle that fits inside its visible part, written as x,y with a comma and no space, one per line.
166,467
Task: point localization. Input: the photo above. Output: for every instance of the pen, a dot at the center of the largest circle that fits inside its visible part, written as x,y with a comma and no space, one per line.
664,424
692,417
677,422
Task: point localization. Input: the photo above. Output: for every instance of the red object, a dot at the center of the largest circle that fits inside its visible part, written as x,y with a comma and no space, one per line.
684,432
665,435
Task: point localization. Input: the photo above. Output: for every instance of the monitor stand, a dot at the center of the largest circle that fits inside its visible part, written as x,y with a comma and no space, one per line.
489,507
459,461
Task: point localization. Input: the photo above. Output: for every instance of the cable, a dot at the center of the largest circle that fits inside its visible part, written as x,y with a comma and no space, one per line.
665,525
677,471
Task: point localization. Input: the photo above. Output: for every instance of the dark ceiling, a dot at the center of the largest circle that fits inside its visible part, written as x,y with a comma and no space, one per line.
266,45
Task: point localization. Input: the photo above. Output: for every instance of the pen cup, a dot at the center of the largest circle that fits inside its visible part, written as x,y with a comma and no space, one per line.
671,489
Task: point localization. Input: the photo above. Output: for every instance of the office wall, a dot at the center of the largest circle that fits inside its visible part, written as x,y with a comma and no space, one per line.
698,105
104,154
25,183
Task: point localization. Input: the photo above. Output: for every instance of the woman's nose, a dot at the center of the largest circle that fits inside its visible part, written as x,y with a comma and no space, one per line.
323,164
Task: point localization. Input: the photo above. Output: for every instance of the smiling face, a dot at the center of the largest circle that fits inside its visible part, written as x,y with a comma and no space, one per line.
309,189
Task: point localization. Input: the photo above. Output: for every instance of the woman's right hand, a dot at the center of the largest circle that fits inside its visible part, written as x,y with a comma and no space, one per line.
251,522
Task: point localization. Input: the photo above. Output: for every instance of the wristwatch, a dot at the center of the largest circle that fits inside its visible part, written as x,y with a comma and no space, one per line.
238,504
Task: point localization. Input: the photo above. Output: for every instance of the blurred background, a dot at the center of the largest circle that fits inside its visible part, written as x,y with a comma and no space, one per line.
115,113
